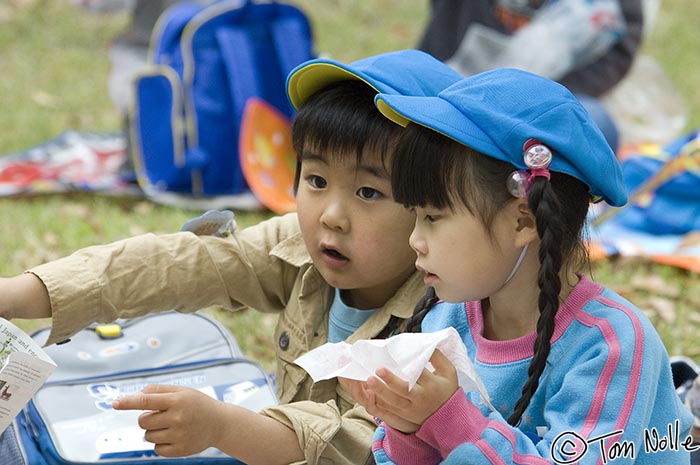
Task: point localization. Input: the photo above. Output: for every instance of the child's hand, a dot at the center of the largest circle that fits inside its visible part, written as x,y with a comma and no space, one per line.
179,421
359,392
431,391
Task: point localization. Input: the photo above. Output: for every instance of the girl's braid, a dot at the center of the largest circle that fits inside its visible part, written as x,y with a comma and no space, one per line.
411,324
545,205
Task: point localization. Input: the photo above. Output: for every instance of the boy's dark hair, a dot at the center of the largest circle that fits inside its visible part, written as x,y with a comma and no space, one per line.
341,119
429,169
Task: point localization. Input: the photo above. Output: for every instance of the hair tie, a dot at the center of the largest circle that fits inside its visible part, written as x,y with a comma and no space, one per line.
537,158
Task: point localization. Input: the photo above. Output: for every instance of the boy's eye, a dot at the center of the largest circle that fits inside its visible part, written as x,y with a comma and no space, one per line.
317,182
367,193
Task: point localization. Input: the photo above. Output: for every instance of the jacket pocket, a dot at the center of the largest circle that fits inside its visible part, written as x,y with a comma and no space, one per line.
293,382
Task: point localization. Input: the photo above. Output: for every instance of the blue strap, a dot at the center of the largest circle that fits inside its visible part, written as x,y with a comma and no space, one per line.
291,36
238,53
260,50
292,42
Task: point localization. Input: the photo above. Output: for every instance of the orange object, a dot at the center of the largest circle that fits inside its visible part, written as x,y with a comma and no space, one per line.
684,262
267,156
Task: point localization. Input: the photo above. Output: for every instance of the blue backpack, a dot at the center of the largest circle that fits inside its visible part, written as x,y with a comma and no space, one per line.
207,61
672,205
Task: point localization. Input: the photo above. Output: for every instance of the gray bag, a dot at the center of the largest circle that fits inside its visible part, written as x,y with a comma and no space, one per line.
70,419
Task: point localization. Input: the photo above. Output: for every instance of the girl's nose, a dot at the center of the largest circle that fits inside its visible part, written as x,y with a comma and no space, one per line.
417,243
335,216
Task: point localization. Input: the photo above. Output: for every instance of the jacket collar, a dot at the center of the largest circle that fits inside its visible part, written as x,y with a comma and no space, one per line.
292,250
400,305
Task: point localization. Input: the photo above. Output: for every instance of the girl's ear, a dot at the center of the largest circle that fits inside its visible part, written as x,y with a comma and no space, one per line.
525,226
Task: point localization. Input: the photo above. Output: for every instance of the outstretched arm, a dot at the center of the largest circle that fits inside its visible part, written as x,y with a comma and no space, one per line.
24,296
126,279
183,421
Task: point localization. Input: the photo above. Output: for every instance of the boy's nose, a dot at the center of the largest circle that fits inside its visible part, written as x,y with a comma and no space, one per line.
334,216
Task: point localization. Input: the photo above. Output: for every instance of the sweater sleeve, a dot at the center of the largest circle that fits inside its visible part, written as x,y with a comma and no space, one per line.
460,431
611,398
393,447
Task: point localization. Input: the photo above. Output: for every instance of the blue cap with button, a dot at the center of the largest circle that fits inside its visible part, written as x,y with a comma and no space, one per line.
498,111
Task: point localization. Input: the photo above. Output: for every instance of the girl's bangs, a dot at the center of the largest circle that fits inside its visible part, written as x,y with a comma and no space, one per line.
424,171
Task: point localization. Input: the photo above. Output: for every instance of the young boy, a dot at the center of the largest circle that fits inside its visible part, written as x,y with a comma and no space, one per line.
338,269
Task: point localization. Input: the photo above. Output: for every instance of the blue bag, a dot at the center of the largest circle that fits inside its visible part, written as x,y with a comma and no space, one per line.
672,205
70,420
208,60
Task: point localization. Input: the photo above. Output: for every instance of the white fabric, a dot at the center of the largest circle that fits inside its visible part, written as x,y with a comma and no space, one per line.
405,355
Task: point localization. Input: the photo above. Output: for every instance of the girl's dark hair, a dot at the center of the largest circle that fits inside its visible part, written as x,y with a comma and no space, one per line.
341,119
429,169
413,323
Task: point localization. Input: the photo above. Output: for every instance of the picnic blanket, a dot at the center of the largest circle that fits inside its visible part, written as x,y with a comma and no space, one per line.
662,218
72,161
97,162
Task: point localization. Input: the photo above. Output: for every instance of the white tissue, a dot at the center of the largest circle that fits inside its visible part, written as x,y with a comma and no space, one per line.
405,355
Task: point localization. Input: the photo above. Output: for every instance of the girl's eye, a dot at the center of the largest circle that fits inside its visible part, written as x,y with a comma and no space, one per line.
367,193
317,182
431,218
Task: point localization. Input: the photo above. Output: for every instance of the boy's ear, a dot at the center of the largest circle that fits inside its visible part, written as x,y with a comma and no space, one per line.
525,226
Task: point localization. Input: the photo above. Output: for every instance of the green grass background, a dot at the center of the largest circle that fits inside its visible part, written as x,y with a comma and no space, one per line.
53,77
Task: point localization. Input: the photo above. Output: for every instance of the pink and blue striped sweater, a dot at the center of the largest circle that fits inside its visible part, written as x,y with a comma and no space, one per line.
605,397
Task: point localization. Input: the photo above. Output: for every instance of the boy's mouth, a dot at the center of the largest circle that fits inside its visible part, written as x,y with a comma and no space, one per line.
333,253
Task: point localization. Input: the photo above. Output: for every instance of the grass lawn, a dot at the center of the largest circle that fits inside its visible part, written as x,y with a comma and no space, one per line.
54,63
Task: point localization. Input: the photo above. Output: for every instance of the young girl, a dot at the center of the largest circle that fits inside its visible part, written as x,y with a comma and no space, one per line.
340,268
500,169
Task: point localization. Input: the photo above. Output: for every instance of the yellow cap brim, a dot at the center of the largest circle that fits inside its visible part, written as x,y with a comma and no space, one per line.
310,79
391,114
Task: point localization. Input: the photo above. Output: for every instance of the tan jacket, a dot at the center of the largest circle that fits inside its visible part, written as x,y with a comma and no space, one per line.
265,267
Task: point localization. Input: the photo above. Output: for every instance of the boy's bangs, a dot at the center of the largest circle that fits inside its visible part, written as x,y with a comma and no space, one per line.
342,120
335,140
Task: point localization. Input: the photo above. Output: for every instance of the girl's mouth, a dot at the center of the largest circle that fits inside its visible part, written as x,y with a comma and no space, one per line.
429,278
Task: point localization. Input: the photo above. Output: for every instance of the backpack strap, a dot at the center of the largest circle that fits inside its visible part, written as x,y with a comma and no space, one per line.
291,53
238,53
259,56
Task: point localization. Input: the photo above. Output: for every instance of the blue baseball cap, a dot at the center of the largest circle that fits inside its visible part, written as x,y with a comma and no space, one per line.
497,111
407,72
